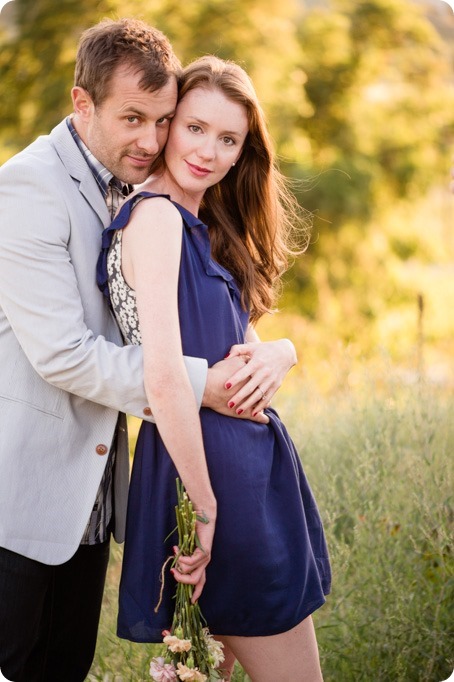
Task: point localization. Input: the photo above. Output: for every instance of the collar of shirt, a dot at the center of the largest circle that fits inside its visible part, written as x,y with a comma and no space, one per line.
101,174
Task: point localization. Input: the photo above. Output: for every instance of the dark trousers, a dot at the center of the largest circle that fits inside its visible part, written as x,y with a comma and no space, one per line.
49,615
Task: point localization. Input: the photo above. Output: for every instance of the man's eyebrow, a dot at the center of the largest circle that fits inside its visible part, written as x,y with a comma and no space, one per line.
171,113
139,112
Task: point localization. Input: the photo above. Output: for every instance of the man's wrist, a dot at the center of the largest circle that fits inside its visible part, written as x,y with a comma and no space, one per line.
292,357
197,369
207,397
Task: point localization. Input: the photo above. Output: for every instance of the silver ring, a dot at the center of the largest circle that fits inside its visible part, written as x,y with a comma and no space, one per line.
263,394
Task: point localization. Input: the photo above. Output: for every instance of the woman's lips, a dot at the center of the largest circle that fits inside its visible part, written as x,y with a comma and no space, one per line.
198,170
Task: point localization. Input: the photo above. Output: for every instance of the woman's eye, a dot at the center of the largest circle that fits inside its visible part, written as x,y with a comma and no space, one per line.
228,140
194,128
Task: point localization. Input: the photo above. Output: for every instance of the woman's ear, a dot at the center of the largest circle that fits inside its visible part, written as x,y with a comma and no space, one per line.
238,157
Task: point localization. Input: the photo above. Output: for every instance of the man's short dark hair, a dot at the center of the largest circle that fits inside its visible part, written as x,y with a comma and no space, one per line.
125,42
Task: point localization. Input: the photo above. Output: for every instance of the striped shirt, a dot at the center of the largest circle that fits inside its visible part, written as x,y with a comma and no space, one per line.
97,529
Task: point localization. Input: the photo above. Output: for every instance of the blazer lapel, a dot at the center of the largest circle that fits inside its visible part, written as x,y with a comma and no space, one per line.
77,167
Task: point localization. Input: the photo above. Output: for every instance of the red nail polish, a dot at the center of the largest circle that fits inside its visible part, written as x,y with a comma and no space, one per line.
229,385
254,414
231,404
239,411
226,356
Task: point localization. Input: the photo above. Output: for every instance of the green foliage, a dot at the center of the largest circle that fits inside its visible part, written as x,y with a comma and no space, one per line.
368,116
381,130
37,65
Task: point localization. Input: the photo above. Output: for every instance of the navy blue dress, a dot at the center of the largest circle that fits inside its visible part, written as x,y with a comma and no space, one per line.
270,566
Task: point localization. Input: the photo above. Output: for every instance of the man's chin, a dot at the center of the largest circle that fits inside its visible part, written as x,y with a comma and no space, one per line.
136,176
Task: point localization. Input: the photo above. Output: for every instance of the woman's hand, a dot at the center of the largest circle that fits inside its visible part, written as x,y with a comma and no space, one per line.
191,569
218,397
266,365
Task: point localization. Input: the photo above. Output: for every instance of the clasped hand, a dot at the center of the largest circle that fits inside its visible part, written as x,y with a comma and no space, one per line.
249,377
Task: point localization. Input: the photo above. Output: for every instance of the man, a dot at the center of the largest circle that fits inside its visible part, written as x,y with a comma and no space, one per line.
65,376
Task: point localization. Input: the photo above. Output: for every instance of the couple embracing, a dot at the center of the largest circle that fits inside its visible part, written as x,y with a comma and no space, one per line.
141,242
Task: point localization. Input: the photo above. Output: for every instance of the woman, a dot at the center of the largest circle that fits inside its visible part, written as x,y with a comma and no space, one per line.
177,286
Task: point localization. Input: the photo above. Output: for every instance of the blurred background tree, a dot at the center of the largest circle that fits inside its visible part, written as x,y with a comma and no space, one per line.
380,85
360,99
37,49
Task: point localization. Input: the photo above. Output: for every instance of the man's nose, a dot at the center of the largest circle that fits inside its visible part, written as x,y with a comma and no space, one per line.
149,141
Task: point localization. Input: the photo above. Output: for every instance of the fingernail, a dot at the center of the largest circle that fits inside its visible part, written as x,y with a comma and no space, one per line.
231,404
254,414
239,411
226,356
229,385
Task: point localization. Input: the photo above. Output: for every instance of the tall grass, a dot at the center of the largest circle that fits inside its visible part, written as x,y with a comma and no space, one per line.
381,464
380,461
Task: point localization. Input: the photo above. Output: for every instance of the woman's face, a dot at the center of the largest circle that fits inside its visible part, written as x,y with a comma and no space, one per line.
206,138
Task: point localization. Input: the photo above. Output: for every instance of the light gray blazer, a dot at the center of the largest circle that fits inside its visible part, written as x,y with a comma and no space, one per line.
64,375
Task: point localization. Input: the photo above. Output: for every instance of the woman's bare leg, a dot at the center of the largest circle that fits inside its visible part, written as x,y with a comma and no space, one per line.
229,660
288,657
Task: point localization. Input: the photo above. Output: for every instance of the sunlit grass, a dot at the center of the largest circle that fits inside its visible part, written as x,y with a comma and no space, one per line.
379,456
381,464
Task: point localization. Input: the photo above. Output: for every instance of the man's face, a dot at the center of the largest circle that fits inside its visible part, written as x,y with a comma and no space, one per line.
129,129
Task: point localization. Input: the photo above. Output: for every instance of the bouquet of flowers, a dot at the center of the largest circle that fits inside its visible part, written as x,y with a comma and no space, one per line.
192,655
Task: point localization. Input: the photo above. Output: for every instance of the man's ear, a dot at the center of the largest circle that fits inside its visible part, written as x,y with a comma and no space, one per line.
82,102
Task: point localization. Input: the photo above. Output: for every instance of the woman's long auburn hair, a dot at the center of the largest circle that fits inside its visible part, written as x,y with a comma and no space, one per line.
250,213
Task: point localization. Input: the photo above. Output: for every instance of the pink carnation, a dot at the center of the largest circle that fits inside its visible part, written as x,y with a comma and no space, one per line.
161,671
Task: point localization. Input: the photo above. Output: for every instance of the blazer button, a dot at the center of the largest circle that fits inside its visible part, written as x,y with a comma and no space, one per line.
101,449
147,411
